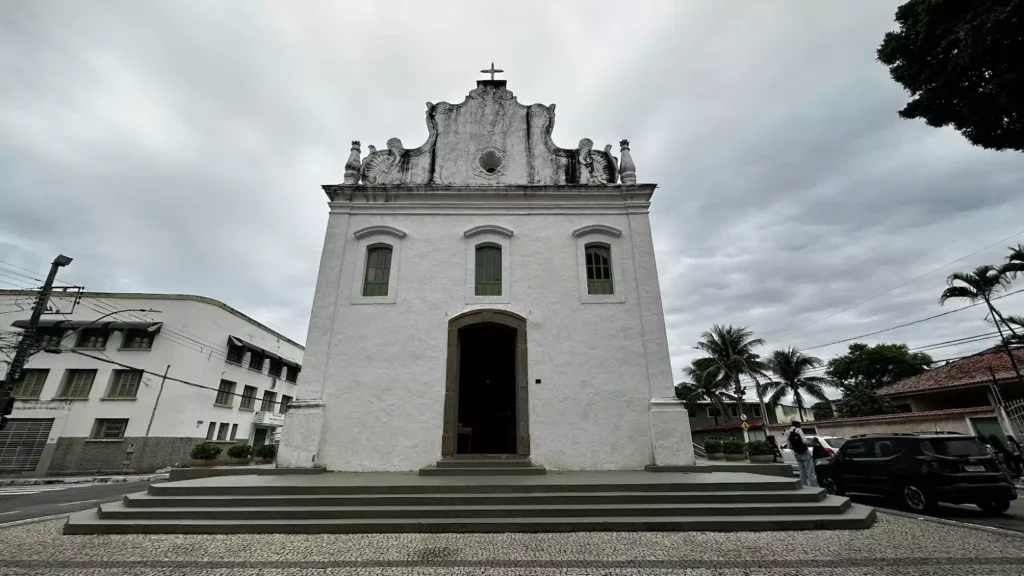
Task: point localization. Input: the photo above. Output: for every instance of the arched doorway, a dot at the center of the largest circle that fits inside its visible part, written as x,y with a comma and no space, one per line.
486,399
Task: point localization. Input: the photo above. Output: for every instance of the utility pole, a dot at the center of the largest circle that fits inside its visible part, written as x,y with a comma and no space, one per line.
27,342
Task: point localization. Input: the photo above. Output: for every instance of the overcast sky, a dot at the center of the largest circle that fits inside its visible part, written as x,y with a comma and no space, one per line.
180,147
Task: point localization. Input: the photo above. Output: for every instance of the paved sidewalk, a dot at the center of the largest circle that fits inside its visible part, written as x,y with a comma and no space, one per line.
894,546
83,479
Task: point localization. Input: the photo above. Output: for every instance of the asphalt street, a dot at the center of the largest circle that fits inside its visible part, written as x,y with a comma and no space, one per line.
1013,519
22,502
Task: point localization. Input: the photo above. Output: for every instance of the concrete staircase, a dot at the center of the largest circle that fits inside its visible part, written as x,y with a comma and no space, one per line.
483,467
557,502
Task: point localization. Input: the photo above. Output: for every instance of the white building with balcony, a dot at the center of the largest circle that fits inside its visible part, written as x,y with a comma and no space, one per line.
139,380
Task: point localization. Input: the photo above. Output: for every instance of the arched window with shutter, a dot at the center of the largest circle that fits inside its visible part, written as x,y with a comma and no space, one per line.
378,270
599,268
488,270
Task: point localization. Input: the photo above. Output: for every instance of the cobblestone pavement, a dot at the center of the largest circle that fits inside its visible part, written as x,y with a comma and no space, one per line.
894,546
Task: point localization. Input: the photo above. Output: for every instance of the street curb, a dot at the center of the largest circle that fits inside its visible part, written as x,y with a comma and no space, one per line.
33,520
81,480
954,523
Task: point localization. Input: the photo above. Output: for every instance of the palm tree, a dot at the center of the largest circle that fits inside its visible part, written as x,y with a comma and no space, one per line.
981,285
1018,321
792,367
732,349
1014,262
705,383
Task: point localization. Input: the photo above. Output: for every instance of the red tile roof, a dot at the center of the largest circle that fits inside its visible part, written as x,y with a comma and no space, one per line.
967,371
897,416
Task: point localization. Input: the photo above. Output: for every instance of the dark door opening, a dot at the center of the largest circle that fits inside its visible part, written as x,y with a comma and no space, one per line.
487,389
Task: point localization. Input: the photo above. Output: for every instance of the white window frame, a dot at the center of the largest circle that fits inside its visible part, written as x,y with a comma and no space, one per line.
611,237
483,235
372,236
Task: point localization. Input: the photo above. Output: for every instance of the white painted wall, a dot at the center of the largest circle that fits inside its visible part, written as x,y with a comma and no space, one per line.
382,365
193,343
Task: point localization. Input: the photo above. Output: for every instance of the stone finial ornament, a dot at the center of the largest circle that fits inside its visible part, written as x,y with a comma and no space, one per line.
627,170
353,165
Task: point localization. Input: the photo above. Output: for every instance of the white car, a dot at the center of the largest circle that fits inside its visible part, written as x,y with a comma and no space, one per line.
821,447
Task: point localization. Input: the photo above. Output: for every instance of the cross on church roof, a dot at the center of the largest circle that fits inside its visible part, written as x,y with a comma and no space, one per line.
492,71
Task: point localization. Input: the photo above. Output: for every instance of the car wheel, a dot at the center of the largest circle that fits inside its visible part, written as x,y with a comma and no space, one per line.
916,499
831,486
997,507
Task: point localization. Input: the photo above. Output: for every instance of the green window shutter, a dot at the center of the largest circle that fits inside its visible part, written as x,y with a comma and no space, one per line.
599,269
378,270
488,271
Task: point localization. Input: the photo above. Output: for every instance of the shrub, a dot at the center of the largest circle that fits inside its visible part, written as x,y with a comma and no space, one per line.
713,446
760,448
732,446
266,451
240,451
206,451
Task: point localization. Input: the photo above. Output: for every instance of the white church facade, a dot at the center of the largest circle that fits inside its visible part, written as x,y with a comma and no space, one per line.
487,293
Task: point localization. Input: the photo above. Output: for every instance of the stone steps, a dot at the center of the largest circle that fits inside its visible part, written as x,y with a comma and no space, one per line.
480,470
403,502
480,463
856,517
146,500
121,511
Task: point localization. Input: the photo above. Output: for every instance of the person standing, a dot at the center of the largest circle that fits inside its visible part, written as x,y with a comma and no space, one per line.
802,450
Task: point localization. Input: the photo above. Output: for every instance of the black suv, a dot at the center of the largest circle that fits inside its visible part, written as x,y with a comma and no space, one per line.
921,470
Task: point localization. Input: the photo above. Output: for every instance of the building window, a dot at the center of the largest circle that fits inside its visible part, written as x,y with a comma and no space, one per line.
211,430
269,399
714,412
292,373
225,392
285,400
109,428
93,338
276,366
136,339
235,353
77,384
222,432
378,270
49,338
599,269
734,410
124,384
31,385
755,410
488,270
234,432
256,361
248,398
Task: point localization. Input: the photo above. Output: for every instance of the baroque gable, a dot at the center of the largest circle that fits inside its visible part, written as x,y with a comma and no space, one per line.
489,139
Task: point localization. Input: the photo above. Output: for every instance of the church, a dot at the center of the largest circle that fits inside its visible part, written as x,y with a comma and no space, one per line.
487,294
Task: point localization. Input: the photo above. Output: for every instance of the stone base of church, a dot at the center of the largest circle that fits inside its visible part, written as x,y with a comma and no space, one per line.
670,433
300,438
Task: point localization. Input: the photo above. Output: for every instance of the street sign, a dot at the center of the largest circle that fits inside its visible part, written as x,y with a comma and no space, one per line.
745,425
743,417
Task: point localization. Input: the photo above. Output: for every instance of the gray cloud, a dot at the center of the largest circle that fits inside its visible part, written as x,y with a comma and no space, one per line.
179,146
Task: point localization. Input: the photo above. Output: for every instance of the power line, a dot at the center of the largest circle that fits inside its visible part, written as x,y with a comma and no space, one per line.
884,292
160,375
24,269
904,325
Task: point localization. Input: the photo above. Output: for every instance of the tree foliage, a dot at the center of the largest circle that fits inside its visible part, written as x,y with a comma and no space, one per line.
733,350
960,61
705,382
823,411
792,368
875,366
861,400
